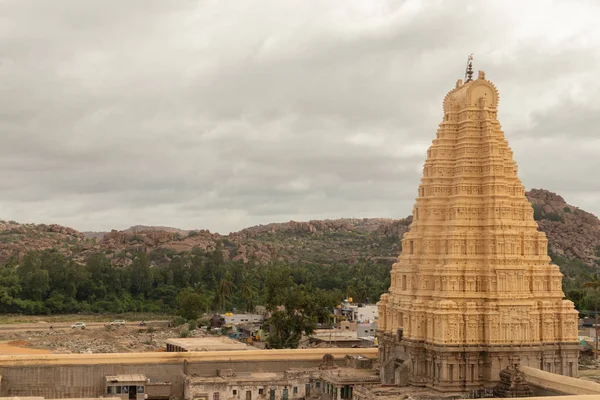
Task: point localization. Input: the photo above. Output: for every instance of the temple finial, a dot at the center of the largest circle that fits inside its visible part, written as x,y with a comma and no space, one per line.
469,72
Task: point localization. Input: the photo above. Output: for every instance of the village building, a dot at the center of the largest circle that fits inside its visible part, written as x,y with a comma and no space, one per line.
328,381
473,291
233,319
356,312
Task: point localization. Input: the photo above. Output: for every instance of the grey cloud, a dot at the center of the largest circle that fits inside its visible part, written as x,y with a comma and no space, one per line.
220,115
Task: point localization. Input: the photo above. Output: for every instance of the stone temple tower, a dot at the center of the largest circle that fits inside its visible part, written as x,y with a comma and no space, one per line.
473,291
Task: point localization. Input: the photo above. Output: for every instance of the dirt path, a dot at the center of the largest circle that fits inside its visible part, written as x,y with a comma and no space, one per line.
44,326
18,347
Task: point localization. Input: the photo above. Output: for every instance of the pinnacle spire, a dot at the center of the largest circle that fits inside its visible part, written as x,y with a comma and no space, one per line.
469,71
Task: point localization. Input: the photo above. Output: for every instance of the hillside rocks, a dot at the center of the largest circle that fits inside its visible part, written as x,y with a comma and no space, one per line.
396,228
17,239
572,233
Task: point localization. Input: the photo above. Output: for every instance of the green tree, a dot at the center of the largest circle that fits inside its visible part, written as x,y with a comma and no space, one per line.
141,277
297,317
296,309
35,281
224,292
190,304
248,294
594,284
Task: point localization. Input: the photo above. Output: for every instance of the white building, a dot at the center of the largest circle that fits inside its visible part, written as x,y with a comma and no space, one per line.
233,319
358,312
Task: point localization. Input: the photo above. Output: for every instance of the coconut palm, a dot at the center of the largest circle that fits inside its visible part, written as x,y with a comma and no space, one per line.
224,291
248,294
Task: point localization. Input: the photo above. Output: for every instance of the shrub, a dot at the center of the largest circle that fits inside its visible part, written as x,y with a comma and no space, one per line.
567,210
150,329
184,333
192,324
552,216
538,213
178,321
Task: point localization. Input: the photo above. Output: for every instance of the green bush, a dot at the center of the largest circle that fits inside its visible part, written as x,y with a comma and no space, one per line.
552,216
192,324
184,333
538,213
178,321
567,210
150,329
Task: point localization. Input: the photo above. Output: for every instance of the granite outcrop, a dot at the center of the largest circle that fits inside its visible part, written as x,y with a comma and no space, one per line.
572,233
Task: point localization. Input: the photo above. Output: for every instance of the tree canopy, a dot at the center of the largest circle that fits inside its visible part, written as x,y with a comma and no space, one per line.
47,282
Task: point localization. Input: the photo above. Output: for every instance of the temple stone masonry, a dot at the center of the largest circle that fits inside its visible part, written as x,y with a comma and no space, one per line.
473,291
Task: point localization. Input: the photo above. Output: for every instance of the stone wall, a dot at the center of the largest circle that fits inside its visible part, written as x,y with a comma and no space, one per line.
78,375
60,381
559,383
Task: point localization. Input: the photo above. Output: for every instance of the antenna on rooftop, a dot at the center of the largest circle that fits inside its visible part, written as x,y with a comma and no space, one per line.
469,70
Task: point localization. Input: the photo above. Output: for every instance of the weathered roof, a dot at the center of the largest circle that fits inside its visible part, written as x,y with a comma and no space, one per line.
209,343
126,378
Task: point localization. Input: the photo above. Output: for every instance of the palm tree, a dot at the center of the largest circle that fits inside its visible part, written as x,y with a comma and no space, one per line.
594,283
247,292
224,291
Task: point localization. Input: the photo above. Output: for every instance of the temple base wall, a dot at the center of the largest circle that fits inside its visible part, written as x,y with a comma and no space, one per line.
460,368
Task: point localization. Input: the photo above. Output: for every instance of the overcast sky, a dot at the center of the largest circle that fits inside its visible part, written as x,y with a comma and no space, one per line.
225,114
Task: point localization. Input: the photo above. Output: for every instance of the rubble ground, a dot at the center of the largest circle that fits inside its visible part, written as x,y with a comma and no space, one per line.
19,319
124,339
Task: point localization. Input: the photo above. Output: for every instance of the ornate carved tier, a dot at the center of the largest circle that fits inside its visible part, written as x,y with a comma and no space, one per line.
474,285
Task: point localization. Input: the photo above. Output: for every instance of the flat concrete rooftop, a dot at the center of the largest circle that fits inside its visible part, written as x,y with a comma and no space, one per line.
252,377
337,335
209,343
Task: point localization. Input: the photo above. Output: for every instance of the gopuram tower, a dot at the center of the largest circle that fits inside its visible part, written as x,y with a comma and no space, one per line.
473,291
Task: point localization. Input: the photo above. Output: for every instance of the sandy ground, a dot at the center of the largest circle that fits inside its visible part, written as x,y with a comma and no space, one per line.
19,347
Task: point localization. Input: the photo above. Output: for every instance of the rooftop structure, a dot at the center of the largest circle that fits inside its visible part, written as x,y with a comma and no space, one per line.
473,291
232,319
340,338
329,381
357,312
128,386
210,343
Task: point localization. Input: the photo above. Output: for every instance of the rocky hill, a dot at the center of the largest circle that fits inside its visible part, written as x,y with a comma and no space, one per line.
572,232
573,235
17,239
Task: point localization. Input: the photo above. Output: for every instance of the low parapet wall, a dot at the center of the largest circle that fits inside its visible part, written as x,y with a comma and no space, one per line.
82,375
560,383
192,356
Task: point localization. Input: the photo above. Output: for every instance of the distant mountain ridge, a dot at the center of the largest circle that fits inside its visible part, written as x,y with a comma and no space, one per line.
573,234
